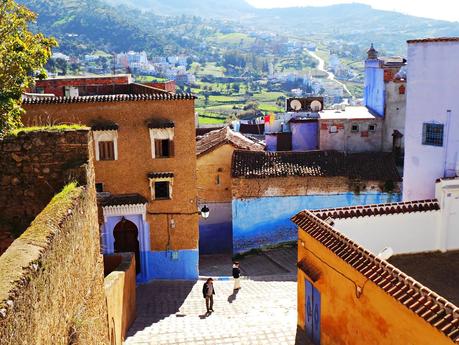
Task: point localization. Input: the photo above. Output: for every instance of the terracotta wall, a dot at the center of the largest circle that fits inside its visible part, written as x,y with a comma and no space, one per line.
209,166
129,173
120,295
373,318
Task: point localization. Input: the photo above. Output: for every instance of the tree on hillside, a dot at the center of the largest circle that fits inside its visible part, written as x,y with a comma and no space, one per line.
23,56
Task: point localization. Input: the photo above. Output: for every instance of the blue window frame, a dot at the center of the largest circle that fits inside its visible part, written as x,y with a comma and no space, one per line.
432,134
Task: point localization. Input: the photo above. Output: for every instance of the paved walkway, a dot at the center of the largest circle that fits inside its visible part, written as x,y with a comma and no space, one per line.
263,312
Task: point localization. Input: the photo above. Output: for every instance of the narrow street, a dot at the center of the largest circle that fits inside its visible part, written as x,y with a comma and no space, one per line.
262,312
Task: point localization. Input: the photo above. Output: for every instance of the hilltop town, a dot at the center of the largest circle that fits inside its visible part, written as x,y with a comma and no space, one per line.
323,218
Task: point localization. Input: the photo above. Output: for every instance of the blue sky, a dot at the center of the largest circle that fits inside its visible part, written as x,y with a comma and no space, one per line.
438,9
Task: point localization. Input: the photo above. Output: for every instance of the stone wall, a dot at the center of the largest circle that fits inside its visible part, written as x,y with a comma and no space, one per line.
34,166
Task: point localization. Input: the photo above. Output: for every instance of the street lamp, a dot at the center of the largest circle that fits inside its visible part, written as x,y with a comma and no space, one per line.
205,212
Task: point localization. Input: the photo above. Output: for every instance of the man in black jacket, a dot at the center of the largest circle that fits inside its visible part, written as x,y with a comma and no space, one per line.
208,293
236,275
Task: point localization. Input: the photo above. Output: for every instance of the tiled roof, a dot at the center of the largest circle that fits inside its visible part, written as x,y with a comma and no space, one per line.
160,175
201,131
428,305
124,199
376,166
160,123
106,98
214,139
378,209
437,39
104,125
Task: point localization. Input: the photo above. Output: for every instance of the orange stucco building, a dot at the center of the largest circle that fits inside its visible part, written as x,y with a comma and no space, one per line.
144,144
347,295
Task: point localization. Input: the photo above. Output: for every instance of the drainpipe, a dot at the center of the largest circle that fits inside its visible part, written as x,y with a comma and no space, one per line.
448,126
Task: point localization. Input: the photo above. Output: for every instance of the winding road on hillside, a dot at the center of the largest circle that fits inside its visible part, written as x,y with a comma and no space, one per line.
331,76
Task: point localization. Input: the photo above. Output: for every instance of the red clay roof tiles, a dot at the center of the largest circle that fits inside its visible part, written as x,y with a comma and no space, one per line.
378,209
436,310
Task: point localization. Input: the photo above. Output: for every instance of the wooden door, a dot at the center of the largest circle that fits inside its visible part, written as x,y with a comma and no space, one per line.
126,240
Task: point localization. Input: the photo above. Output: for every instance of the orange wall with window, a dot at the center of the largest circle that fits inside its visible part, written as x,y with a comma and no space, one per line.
129,173
211,166
374,318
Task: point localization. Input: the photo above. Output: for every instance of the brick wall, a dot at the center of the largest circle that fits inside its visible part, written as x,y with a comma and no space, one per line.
34,167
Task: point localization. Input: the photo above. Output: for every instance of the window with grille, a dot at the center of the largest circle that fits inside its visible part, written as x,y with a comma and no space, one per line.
164,148
162,190
432,134
106,151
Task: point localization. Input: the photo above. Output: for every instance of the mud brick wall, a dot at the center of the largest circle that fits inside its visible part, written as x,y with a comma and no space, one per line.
34,166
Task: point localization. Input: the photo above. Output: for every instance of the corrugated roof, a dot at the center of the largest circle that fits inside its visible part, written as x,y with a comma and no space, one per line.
434,309
107,98
376,166
215,139
378,209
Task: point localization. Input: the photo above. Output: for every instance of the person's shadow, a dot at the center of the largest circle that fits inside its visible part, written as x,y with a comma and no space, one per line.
233,296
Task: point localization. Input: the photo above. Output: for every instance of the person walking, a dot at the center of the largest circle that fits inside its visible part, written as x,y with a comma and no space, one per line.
236,275
208,293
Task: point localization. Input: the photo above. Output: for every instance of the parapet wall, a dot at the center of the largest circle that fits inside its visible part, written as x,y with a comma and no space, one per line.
34,166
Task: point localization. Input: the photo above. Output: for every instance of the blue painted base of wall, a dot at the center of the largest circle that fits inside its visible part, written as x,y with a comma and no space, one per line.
260,222
169,265
215,238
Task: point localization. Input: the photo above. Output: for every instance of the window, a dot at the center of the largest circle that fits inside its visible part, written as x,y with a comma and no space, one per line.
106,150
162,190
106,143
371,128
163,148
333,129
217,180
354,128
99,187
432,134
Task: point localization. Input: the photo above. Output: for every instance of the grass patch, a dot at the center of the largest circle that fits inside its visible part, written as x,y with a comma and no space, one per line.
57,128
210,121
64,194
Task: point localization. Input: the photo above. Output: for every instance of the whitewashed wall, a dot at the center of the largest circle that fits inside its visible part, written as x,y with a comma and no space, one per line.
432,90
404,233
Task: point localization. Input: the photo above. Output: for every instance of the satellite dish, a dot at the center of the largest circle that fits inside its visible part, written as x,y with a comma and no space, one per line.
295,105
316,106
386,253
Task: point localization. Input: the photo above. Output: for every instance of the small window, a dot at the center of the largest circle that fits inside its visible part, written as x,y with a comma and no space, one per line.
432,134
217,180
106,151
162,190
163,148
371,128
354,128
99,187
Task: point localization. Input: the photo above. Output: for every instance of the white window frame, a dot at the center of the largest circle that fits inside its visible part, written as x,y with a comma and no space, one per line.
153,180
107,135
160,134
357,130
374,127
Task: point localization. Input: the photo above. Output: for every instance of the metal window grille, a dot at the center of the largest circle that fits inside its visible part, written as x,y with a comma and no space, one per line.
432,134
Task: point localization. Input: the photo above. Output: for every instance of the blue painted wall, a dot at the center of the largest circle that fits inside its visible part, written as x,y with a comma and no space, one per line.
374,92
170,265
266,221
271,142
215,232
305,135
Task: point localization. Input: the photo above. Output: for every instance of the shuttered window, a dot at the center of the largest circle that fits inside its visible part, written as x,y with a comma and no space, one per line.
106,151
164,148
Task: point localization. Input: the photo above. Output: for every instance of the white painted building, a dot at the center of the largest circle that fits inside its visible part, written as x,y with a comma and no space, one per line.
432,115
405,227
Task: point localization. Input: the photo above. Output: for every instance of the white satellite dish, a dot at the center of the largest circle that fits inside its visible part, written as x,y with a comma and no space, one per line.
316,106
295,105
386,253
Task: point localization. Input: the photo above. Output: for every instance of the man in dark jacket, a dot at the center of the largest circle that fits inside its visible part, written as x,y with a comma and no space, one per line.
208,293
236,275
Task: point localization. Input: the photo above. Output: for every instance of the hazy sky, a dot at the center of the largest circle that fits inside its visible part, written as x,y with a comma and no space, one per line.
439,9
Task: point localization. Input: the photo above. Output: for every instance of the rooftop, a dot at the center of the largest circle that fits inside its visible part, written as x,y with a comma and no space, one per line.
436,270
375,166
357,113
435,39
378,209
434,309
215,139
123,199
108,98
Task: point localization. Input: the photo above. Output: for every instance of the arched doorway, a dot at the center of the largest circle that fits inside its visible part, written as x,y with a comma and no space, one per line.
126,240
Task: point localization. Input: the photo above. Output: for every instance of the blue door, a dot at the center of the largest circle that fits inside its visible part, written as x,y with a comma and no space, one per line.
312,310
